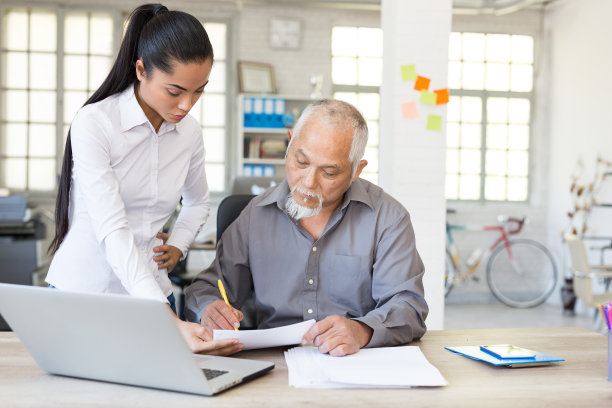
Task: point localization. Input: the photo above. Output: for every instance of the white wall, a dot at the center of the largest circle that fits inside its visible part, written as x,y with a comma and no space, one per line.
580,81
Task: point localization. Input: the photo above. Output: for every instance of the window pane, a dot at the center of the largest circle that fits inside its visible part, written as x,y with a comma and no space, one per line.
452,161
76,33
471,109
497,110
498,47
215,175
15,173
495,188
41,175
519,110
517,189
370,71
72,102
473,46
217,33
42,71
101,31
371,155
451,187
454,46
16,23
370,42
344,71
498,77
216,82
75,72
473,75
42,106
214,143
521,78
213,110
369,105
470,136
453,109
43,31
469,187
518,137
344,41
522,49
470,161
16,70
16,106
497,136
496,163
99,67
517,163
15,138
42,140
350,97
371,177
452,135
373,133
454,75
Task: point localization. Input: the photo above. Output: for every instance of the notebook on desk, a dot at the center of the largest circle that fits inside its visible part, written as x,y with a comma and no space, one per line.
115,338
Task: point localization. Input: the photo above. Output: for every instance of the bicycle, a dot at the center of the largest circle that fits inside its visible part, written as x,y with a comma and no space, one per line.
521,272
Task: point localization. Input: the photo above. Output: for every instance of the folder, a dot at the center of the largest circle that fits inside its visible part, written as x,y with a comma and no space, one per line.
475,353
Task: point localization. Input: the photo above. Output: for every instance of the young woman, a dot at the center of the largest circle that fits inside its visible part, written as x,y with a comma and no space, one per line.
132,152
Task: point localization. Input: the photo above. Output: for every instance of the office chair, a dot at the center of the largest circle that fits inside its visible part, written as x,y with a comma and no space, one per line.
229,209
584,273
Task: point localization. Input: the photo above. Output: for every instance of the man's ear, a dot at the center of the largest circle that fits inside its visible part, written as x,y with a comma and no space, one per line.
140,70
360,167
289,135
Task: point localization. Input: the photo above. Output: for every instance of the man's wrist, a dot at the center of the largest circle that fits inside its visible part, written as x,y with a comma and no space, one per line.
364,333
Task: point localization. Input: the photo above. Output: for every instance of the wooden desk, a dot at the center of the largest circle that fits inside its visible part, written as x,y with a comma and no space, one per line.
579,381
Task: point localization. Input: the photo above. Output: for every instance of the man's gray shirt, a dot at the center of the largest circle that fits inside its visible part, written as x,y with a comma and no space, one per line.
365,266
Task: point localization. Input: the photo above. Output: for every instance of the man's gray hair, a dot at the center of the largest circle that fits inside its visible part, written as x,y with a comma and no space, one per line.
342,115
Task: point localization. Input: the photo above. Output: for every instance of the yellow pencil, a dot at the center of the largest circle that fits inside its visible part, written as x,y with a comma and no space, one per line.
601,310
222,290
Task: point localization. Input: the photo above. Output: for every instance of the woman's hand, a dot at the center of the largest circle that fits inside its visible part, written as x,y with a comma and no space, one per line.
166,256
200,340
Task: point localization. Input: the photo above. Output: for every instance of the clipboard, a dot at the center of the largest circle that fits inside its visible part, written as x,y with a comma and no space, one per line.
474,352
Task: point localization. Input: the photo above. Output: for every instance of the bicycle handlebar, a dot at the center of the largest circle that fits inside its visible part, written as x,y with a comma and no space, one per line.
518,222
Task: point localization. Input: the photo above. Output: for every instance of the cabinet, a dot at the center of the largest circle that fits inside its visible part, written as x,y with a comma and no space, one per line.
263,122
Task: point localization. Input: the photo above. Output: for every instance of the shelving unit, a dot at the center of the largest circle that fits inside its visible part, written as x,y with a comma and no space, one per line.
262,140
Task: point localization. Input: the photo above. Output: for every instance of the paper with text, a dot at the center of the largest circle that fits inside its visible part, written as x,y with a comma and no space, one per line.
278,336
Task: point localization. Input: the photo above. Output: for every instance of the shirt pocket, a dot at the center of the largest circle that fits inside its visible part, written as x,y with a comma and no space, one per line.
351,282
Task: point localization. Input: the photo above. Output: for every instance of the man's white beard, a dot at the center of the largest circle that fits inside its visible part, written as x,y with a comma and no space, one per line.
297,211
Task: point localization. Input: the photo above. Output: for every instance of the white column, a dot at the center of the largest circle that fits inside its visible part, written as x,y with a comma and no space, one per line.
412,158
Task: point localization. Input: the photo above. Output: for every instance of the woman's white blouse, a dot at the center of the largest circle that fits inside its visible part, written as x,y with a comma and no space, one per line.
126,182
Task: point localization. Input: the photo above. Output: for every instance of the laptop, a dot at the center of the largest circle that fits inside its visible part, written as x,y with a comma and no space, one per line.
115,338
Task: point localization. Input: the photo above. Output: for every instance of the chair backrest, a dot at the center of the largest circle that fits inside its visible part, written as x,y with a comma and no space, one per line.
229,209
580,266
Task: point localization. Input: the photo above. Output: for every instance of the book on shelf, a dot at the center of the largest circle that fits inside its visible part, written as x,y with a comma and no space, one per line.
273,149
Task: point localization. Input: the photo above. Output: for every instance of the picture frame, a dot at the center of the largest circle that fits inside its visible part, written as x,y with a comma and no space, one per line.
256,77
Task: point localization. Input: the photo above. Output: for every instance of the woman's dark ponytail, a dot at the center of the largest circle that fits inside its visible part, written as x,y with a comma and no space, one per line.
160,38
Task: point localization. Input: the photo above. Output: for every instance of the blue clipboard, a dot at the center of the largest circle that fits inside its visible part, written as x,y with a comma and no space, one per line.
475,353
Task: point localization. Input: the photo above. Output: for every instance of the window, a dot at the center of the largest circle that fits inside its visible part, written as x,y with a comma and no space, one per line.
36,107
357,75
489,116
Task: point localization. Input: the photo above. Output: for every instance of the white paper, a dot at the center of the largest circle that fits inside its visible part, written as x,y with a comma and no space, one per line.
278,336
385,367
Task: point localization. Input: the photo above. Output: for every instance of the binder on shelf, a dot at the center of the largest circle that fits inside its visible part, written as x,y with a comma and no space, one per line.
268,118
279,112
248,111
258,112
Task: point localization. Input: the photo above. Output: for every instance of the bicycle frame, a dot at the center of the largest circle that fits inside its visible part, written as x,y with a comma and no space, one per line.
503,237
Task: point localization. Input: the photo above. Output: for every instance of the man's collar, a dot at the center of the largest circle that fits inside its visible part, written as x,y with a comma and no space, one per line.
132,114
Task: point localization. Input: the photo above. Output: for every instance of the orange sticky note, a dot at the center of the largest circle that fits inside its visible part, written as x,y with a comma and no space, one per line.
409,110
441,96
421,83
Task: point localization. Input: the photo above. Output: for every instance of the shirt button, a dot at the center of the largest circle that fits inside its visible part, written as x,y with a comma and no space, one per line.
309,311
314,249
310,281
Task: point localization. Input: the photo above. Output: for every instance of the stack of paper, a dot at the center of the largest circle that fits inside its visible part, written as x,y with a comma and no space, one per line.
386,367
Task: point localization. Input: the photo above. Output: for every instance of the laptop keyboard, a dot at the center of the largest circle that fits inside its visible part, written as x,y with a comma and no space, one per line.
210,374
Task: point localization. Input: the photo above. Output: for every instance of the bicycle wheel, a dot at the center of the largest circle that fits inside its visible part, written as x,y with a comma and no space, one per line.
526,281
449,273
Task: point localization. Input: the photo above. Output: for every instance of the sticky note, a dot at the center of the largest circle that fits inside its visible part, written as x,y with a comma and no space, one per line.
441,96
434,122
428,98
409,110
421,83
408,73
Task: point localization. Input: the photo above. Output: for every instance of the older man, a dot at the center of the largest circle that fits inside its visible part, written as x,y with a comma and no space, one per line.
324,244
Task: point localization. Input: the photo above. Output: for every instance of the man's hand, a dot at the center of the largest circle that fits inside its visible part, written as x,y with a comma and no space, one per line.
200,340
338,335
218,315
166,256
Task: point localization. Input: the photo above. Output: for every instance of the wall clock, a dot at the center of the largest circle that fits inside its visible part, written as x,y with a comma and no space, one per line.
285,33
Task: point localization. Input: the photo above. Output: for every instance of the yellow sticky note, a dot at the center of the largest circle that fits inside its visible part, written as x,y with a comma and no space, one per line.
408,72
434,122
421,83
409,110
428,98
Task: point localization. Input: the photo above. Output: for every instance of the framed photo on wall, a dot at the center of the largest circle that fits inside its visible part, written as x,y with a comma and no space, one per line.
256,77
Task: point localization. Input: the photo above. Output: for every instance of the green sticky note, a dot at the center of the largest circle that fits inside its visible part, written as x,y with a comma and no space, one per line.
434,122
408,73
428,98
